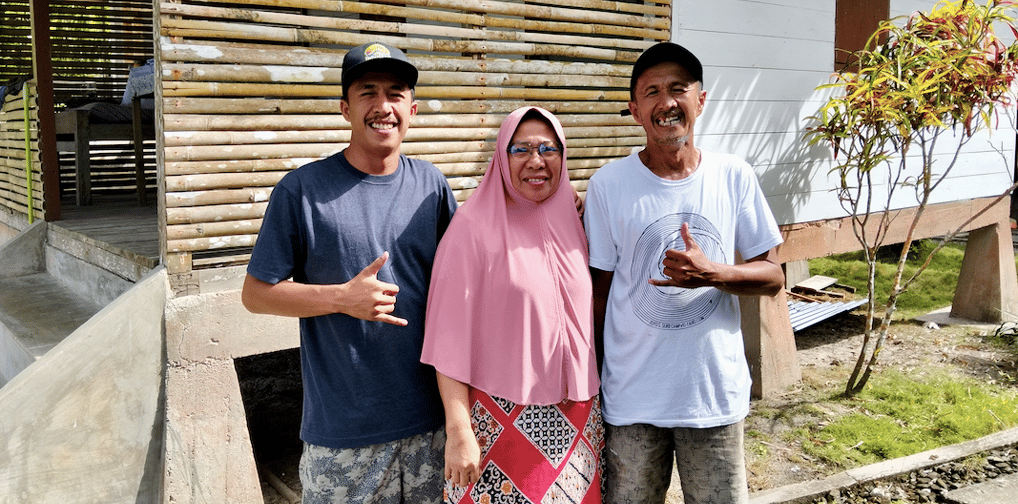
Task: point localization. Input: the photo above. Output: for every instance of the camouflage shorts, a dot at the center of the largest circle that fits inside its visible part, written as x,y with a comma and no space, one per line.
404,471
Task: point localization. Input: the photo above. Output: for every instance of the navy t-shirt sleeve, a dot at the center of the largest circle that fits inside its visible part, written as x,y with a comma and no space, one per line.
280,246
447,206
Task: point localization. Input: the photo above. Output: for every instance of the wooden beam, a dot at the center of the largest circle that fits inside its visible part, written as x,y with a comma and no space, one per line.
42,50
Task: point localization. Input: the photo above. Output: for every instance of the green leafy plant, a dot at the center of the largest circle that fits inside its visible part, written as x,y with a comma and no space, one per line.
940,76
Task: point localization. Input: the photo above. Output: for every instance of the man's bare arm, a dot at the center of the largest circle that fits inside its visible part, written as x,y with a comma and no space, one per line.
364,297
602,281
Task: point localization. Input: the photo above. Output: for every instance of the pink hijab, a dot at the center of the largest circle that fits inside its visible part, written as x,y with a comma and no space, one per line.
509,308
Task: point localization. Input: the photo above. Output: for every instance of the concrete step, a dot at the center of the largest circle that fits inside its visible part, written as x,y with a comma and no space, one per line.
51,282
37,311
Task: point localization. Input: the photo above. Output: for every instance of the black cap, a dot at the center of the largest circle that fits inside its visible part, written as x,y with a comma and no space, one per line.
664,52
377,57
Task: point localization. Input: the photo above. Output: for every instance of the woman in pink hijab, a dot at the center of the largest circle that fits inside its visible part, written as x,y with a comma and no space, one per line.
509,330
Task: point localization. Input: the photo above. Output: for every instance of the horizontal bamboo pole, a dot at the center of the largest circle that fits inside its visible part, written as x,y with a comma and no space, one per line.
218,197
212,29
17,194
212,229
596,135
213,213
214,243
196,138
277,106
423,92
580,11
196,161
440,153
586,14
261,151
333,58
177,88
18,165
17,181
14,154
193,72
204,182
20,207
173,168
195,123
518,30
190,105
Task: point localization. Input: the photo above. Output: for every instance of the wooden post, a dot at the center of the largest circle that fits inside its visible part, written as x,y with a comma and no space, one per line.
987,288
43,71
139,149
770,343
82,162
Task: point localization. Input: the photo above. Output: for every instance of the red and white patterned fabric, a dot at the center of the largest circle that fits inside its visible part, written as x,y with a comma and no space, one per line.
534,454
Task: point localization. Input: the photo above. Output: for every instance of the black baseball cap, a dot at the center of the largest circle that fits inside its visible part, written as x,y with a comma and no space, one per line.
664,52
377,57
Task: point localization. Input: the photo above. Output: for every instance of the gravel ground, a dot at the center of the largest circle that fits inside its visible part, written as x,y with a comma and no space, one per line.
930,484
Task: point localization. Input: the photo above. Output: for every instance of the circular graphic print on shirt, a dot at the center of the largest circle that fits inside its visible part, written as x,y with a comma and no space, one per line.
673,307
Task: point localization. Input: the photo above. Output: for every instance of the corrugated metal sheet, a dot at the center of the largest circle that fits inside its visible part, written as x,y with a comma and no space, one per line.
804,313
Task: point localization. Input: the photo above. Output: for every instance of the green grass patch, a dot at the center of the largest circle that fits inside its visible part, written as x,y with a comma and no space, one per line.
898,415
933,290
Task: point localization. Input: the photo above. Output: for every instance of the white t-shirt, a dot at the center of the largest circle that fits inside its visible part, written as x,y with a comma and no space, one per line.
674,357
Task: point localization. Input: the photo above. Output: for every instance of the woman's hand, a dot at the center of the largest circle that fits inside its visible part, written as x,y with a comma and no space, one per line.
462,457
462,453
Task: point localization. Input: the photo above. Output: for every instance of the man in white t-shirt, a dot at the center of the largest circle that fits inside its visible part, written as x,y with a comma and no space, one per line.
664,227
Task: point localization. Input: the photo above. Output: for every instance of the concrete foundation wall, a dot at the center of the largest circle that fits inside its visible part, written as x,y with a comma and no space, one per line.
84,422
10,225
85,278
14,357
208,455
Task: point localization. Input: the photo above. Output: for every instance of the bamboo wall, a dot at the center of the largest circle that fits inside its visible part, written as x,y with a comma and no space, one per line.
15,39
15,165
95,43
250,91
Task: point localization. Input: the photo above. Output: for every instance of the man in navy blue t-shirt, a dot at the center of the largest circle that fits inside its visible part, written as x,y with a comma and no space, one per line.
342,239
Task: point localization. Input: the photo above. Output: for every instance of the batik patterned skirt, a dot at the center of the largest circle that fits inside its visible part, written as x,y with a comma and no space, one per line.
534,454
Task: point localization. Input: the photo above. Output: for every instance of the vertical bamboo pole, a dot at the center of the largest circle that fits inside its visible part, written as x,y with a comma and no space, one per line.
28,153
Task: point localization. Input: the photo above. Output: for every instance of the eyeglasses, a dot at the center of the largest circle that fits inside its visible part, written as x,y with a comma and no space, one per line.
546,150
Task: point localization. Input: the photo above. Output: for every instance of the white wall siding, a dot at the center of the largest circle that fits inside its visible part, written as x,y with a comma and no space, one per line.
762,64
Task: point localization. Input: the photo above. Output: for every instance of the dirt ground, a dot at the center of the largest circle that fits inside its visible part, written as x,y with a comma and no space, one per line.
826,352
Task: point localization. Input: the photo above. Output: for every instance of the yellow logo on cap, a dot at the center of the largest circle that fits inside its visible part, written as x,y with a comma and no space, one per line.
376,51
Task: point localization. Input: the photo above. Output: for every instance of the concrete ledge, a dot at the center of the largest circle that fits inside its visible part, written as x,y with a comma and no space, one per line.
125,264
217,326
806,491
84,422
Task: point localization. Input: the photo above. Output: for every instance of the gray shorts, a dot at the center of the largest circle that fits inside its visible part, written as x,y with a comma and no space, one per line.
406,471
711,464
